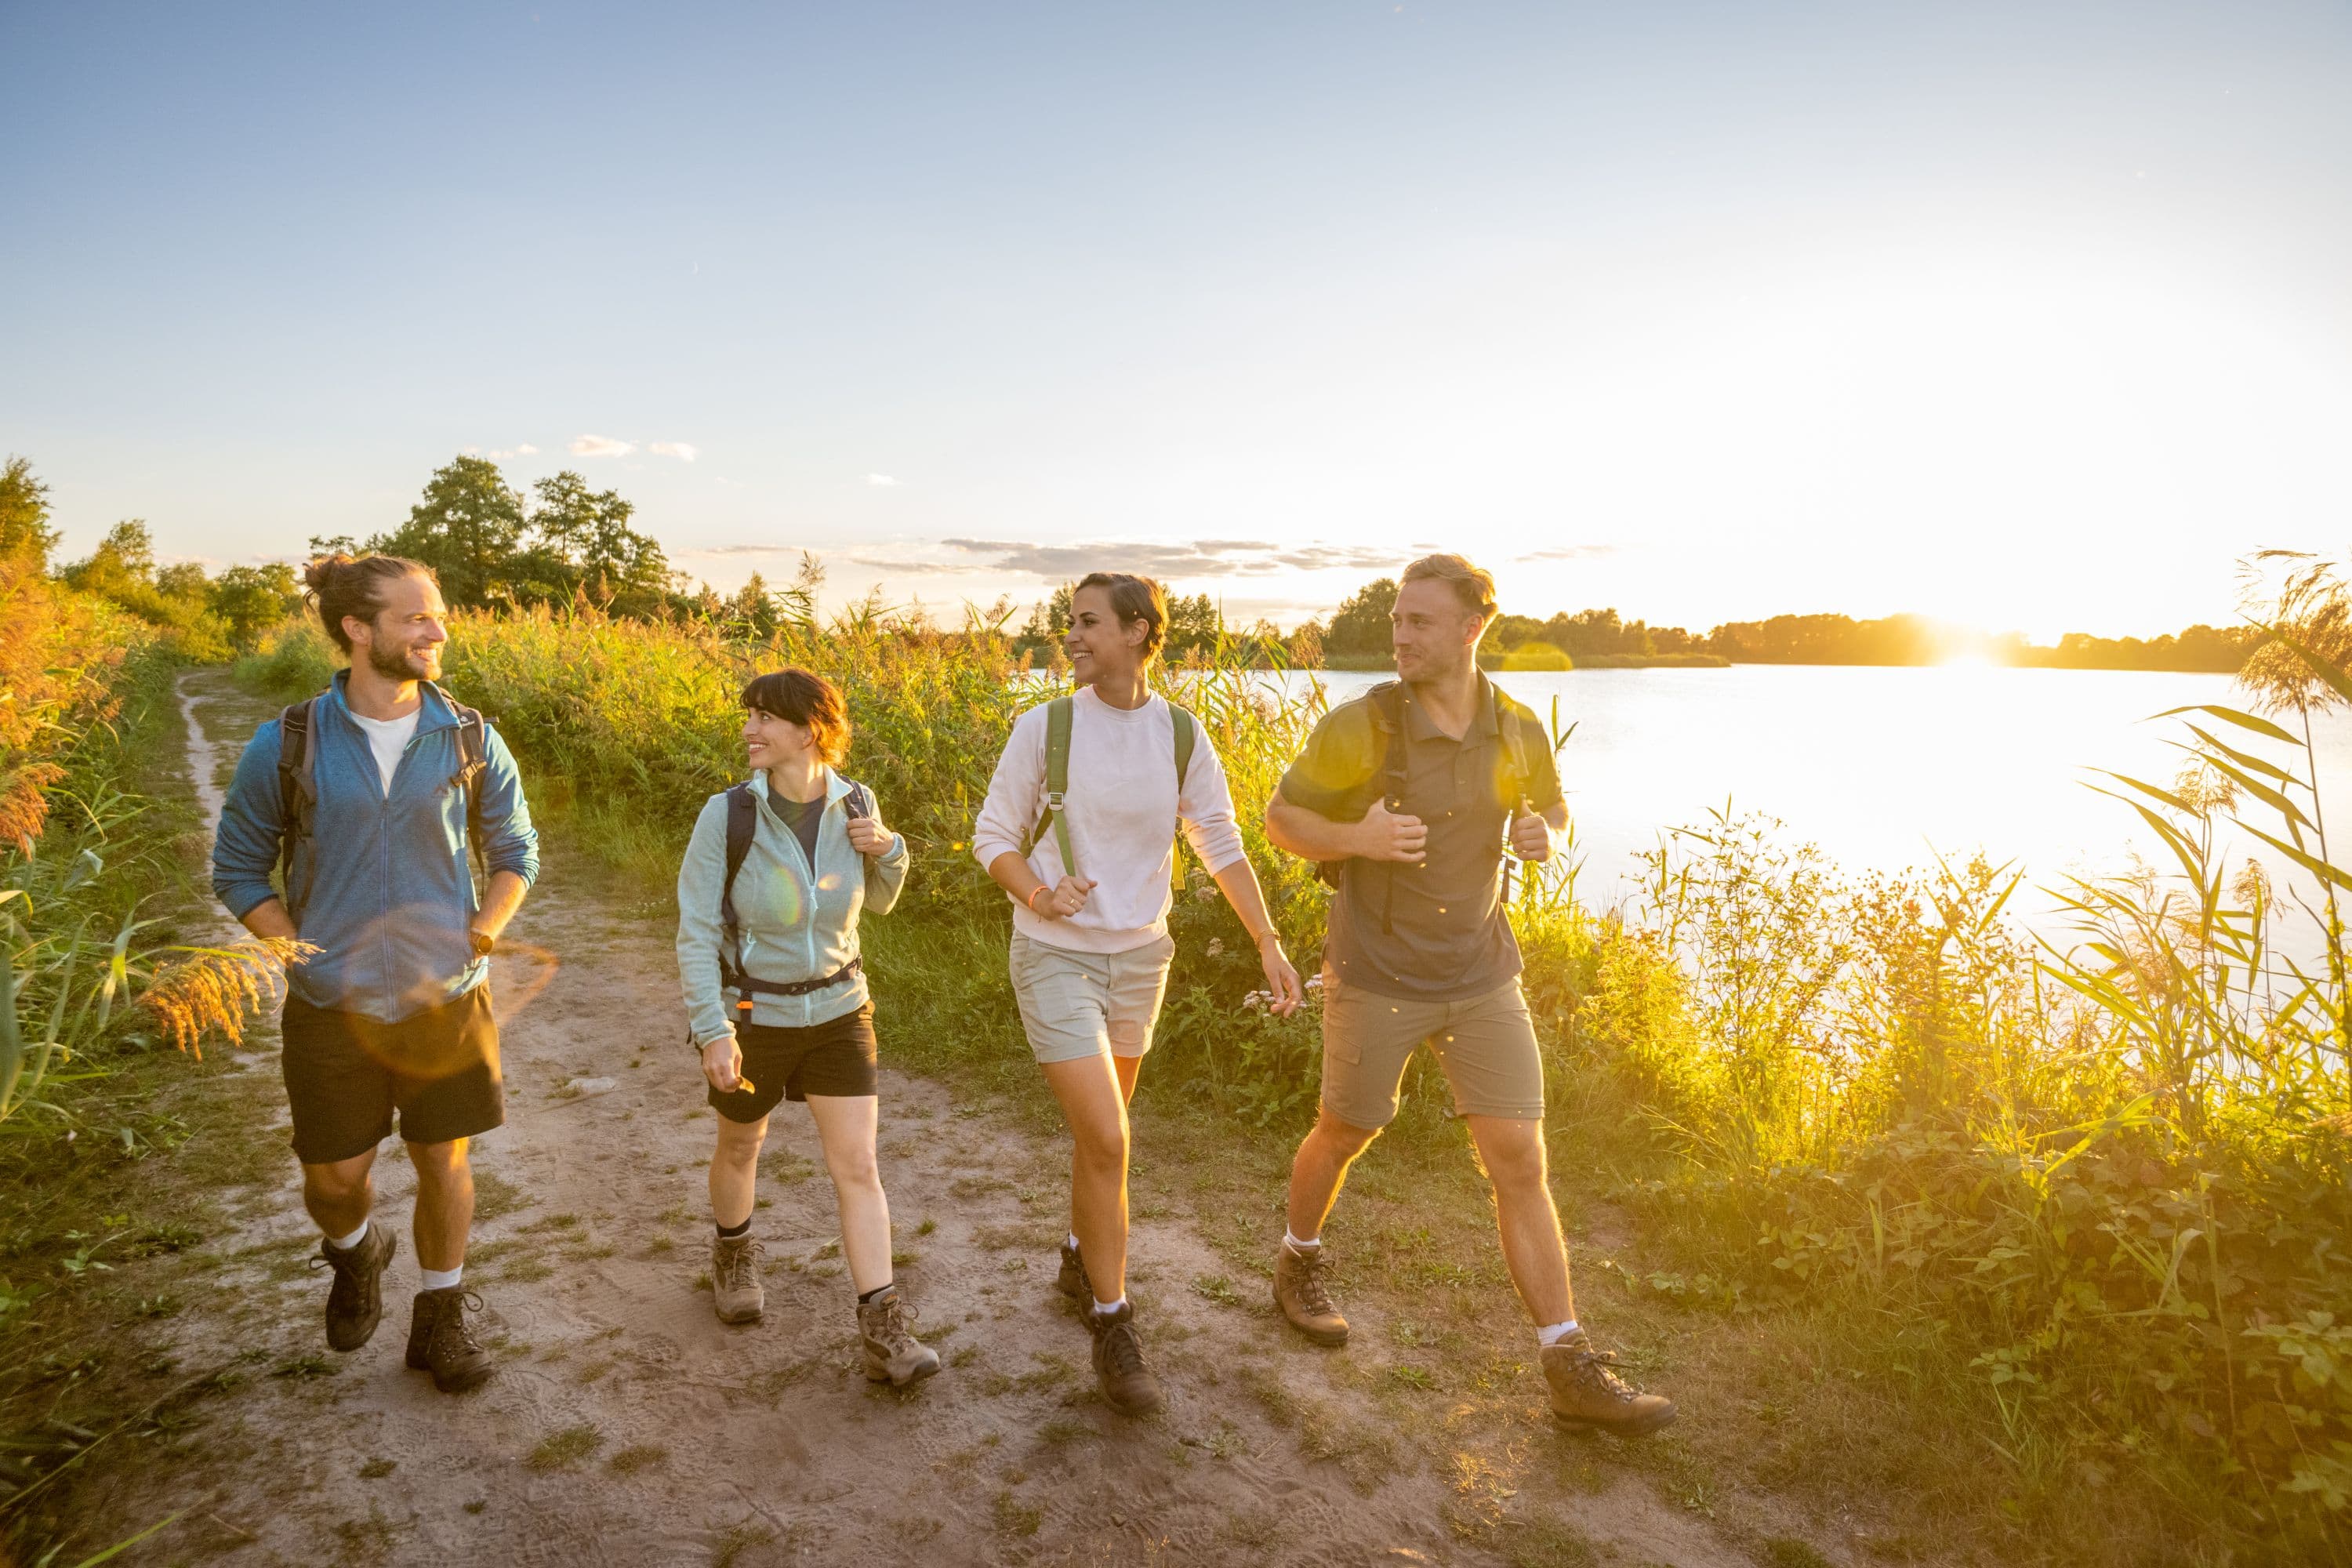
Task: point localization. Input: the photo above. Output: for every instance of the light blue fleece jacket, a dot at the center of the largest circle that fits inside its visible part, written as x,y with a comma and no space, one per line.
381,882
799,921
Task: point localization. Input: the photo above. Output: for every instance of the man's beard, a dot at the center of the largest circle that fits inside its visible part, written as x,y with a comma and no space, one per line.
392,664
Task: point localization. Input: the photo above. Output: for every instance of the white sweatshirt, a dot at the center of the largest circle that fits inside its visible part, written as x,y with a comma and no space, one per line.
1123,810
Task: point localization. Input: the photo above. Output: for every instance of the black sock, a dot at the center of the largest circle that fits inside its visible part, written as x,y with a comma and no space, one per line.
865,1298
730,1232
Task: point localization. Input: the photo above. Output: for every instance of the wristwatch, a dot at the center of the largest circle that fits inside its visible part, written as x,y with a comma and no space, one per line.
484,943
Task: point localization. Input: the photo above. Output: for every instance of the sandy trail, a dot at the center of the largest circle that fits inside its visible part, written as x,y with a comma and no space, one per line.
626,1426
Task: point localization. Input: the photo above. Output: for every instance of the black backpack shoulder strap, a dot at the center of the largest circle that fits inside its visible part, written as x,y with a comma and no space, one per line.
858,802
298,787
1386,702
743,822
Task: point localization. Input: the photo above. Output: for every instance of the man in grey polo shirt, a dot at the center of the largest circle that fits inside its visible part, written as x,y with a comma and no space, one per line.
1413,790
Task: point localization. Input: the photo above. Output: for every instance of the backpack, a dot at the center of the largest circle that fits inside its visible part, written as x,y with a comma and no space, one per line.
1385,703
297,780
1058,714
743,824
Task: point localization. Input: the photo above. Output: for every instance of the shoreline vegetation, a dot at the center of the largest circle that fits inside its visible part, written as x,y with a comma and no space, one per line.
2049,1244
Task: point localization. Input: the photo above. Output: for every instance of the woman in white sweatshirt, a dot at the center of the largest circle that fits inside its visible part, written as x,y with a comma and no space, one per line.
1089,875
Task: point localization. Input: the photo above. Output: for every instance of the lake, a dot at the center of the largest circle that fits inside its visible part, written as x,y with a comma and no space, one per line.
1883,768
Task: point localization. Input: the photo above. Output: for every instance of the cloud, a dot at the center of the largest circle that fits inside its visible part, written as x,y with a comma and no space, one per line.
882,481
744,549
1570,552
914,568
682,451
601,446
522,449
526,450
1207,558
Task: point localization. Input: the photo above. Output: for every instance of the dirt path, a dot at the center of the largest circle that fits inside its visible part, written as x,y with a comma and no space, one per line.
626,1426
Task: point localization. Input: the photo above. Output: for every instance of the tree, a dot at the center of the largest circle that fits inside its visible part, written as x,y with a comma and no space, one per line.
120,567
24,530
248,599
468,528
1360,623
586,535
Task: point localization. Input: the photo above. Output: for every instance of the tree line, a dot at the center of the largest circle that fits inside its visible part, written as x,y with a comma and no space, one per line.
563,544
1361,625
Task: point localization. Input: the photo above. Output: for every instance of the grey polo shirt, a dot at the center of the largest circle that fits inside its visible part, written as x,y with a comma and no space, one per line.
1435,931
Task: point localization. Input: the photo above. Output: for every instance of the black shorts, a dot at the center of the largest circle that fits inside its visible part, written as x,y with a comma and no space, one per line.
834,1057
346,1074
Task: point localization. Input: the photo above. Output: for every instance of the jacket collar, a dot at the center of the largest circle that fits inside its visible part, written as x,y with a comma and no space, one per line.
836,787
437,712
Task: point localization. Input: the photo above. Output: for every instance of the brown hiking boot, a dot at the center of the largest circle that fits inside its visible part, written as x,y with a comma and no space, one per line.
893,1354
1072,1281
1300,1293
440,1343
355,1301
1585,1392
735,1279
1127,1385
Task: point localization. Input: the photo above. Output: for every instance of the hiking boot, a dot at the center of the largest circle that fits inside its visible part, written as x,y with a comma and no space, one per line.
1585,1392
1072,1281
440,1343
1300,1293
735,1279
893,1354
1127,1385
355,1301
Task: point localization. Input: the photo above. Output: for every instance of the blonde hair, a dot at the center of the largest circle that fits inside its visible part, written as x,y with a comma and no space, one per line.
1473,585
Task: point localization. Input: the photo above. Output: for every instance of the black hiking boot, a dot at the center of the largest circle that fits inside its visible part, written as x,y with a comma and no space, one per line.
441,1343
355,1300
1127,1385
1072,1281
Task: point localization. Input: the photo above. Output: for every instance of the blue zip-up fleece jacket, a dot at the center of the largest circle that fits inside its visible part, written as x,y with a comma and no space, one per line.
800,922
383,885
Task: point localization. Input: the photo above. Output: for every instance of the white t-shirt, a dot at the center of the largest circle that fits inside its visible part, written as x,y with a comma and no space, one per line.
387,738
1124,811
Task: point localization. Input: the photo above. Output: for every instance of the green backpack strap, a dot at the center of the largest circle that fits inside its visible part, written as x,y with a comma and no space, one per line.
1188,730
1057,786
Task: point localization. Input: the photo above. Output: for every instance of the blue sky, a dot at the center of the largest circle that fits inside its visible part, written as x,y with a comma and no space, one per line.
2030,315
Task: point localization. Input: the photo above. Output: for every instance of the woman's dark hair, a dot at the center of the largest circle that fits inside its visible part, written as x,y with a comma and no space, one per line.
1132,599
341,585
808,699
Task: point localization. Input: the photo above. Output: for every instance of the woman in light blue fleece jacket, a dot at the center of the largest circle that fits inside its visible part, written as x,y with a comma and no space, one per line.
776,992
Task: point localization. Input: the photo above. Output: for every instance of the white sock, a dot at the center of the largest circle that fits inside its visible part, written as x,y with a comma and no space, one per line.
1104,1309
1552,1334
345,1243
1074,1241
441,1279
1296,1244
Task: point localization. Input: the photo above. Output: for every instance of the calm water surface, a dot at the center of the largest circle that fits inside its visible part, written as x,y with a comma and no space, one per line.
1882,768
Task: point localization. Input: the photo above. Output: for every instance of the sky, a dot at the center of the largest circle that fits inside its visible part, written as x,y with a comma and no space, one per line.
2032,316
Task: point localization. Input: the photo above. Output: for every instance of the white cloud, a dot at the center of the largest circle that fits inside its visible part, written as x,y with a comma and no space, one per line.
883,480
601,446
526,450
683,451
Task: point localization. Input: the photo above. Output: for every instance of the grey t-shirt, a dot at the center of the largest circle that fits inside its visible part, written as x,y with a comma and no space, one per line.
803,816
1435,931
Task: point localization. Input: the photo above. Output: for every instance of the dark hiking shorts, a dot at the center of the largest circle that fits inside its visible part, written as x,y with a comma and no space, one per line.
834,1057
346,1074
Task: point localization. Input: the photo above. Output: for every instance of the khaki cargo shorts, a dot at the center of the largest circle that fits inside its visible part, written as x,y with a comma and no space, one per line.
1486,1046
1077,1005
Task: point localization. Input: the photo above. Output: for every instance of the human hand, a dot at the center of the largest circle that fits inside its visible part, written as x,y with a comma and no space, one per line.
1281,979
722,1064
1384,834
868,836
1067,898
1530,837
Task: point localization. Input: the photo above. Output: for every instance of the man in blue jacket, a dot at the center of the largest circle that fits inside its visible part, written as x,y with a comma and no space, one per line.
369,793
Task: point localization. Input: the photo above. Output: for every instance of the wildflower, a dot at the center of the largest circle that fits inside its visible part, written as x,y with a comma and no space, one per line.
1216,947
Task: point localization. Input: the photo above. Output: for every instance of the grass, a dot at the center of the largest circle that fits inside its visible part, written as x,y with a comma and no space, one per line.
564,1449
